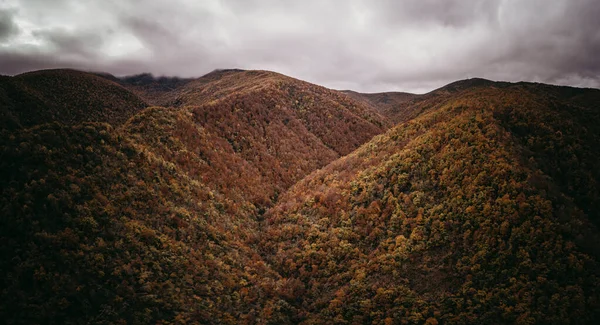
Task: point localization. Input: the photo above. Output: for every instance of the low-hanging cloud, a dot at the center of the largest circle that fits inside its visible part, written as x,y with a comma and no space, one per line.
412,45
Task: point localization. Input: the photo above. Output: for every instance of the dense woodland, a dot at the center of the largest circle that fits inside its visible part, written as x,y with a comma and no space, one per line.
252,197
458,216
67,96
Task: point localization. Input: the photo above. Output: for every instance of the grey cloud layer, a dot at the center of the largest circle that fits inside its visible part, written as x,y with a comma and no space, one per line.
412,45
8,28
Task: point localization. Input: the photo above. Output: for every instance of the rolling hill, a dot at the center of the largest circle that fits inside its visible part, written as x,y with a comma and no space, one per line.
252,197
242,130
157,91
321,111
65,96
480,210
151,219
400,107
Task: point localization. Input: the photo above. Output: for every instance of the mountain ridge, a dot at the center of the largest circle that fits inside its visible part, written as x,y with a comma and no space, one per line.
254,197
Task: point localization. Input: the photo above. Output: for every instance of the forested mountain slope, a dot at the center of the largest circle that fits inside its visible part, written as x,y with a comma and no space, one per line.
338,121
400,107
243,130
152,220
253,197
157,91
95,229
481,210
65,96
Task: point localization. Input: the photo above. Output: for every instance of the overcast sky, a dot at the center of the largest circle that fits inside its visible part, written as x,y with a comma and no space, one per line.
365,45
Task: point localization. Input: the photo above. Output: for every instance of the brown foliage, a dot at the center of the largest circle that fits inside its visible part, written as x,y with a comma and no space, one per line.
258,198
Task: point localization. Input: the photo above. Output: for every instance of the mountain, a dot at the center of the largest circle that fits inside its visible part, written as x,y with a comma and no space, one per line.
483,209
392,105
96,229
400,107
243,130
66,96
252,197
155,90
153,219
340,122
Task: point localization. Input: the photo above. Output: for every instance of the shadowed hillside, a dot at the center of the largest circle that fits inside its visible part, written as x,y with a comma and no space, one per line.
157,91
66,96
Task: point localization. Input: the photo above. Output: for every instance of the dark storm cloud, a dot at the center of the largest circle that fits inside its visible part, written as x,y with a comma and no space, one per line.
8,28
413,45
